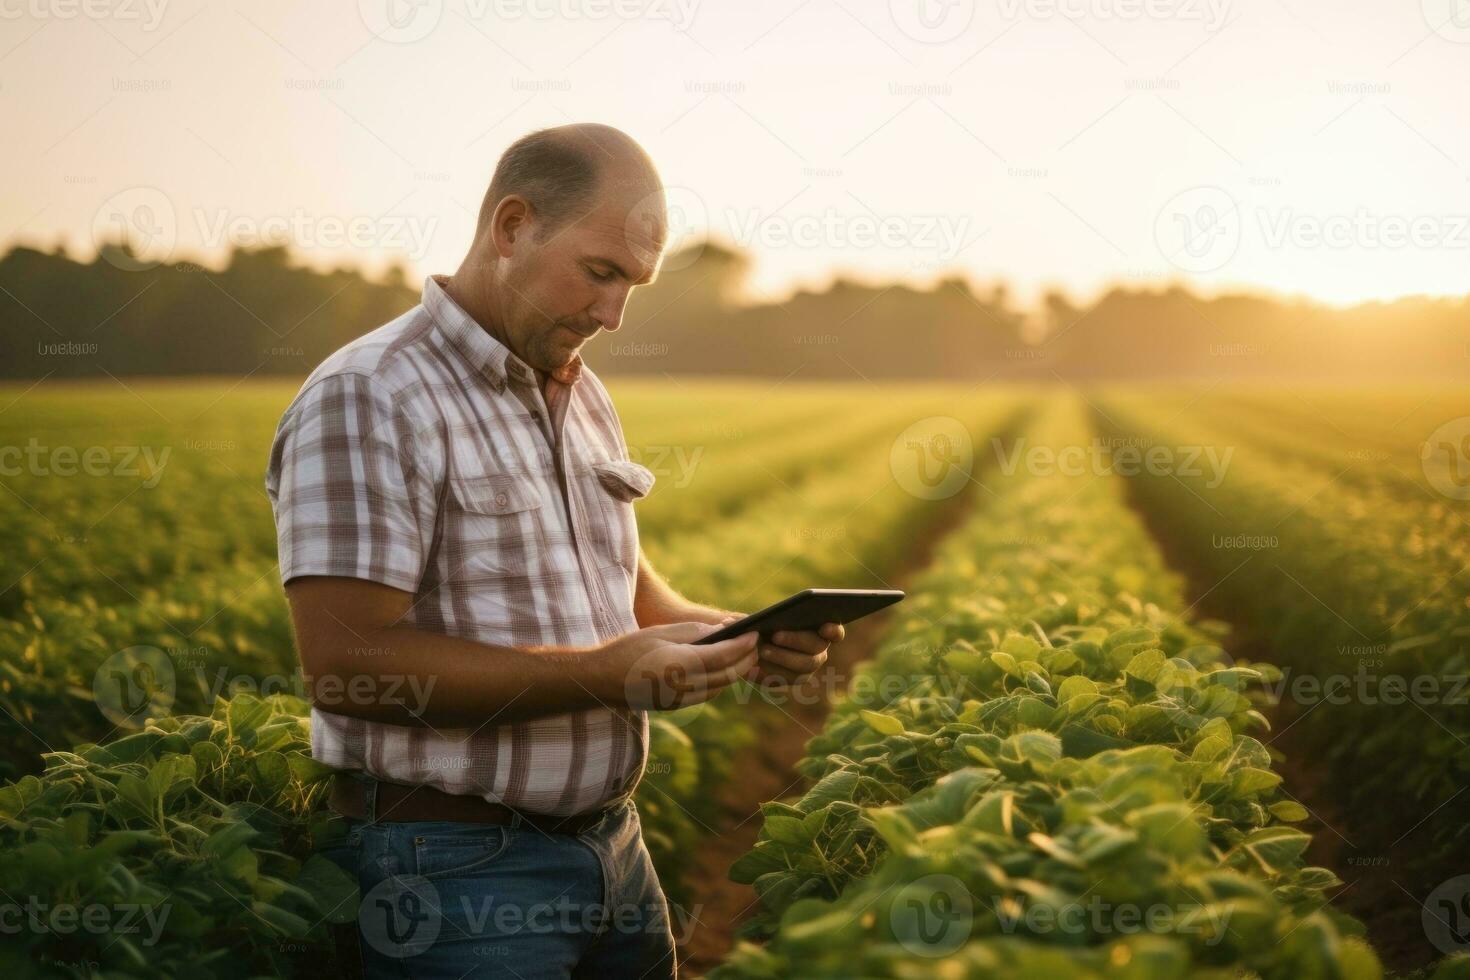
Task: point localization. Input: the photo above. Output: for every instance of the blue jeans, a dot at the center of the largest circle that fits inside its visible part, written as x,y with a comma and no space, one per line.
447,899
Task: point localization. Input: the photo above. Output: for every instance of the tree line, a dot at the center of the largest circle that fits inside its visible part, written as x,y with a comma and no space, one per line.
263,313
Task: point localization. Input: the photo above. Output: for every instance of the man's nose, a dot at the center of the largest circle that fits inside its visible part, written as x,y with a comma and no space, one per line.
608,312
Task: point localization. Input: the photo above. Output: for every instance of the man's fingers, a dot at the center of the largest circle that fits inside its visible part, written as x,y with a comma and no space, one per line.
802,641
803,663
739,670
717,656
682,632
777,678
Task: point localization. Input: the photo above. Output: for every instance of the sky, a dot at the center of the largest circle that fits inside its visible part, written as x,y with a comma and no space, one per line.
1301,146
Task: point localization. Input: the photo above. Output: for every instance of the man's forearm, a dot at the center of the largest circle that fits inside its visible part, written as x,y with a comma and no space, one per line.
656,602
405,676
360,661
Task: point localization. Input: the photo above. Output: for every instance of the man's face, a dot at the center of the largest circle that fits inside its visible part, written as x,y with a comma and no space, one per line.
573,282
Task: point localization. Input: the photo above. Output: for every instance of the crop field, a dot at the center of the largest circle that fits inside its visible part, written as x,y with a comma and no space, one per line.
1179,689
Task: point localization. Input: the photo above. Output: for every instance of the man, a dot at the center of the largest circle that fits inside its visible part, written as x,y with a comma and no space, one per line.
480,632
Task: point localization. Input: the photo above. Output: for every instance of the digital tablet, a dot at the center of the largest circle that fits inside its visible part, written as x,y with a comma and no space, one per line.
808,610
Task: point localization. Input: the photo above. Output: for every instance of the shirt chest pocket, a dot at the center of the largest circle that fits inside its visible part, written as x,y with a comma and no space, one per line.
624,479
612,486
497,523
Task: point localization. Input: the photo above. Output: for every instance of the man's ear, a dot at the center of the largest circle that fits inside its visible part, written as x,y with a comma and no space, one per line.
510,225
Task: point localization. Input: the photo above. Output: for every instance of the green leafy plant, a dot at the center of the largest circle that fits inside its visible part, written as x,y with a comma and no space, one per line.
1042,734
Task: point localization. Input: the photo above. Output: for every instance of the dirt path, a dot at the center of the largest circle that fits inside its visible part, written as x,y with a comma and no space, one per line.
768,769
1373,853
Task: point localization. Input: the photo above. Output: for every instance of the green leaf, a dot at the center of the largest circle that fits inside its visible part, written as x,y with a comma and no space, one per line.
762,859
169,772
1277,849
229,837
881,723
308,770
1006,663
1020,647
1034,712
1170,827
1104,841
1038,747
994,813
1248,782
1074,685
284,922
1211,748
839,785
272,771
1080,742
241,864
207,756
786,830
1288,810
892,826
968,662
333,890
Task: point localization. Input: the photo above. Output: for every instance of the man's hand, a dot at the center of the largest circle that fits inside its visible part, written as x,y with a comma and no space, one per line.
659,668
790,656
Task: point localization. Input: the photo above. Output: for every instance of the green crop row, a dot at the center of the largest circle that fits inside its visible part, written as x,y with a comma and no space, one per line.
1048,770
1373,439
1360,587
1382,426
184,849
704,485
846,519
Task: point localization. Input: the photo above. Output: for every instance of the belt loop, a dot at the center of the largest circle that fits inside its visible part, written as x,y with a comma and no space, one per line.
369,796
515,819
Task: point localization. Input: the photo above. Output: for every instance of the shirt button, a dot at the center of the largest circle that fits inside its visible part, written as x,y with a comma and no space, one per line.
501,499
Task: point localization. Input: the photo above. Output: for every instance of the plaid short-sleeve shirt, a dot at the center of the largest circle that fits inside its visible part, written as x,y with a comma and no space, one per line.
426,457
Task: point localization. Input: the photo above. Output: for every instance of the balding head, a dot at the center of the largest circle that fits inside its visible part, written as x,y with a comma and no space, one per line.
562,171
573,221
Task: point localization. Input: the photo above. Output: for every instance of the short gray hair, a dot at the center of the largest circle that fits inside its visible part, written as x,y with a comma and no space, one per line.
556,175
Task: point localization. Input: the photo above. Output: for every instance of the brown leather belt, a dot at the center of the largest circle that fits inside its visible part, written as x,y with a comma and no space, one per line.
395,802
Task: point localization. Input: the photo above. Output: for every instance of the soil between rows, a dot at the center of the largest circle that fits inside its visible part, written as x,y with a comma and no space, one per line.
1373,853
767,770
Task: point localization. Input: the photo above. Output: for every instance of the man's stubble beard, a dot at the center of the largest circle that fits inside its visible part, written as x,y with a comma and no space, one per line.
540,352
543,352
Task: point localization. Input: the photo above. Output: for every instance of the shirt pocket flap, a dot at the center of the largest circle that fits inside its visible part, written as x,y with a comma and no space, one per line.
624,479
497,493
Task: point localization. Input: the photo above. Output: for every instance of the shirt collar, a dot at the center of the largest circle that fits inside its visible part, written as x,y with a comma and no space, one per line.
482,352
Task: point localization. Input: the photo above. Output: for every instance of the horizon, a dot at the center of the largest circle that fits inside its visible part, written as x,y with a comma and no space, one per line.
748,298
